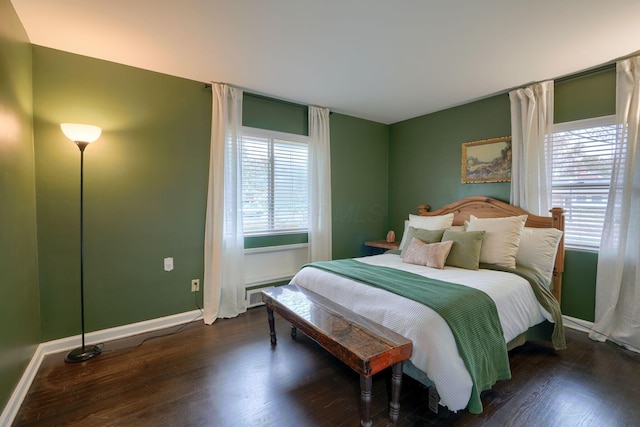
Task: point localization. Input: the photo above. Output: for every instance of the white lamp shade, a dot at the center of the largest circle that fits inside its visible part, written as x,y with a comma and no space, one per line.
81,133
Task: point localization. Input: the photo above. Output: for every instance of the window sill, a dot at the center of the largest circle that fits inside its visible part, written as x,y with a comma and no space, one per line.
278,248
582,249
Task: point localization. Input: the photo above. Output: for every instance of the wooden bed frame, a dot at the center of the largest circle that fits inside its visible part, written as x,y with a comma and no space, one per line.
487,207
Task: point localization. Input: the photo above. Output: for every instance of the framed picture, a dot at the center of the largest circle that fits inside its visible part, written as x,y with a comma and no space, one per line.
488,160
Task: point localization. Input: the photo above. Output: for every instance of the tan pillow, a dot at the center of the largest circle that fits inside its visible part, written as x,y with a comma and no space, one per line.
428,254
501,239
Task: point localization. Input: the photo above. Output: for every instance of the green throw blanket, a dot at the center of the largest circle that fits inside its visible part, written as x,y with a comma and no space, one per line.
471,315
544,297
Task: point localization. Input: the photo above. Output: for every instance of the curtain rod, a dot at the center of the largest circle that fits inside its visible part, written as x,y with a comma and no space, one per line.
585,72
266,96
208,85
588,72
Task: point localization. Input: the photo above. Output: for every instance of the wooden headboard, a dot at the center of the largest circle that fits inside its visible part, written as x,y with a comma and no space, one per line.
487,207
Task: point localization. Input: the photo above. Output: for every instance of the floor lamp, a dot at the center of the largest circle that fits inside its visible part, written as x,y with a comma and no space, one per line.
82,135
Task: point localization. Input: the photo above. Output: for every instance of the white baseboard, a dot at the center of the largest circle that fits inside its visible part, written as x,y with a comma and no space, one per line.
586,326
20,392
577,324
118,332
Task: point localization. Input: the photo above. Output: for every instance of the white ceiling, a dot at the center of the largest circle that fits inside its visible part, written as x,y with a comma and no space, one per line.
381,60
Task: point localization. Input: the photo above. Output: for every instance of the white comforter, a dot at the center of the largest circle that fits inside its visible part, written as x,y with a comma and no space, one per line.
434,348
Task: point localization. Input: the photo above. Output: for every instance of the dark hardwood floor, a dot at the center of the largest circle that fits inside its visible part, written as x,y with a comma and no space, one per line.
228,375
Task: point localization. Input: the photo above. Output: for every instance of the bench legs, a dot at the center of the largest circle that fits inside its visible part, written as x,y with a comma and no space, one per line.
365,396
365,382
396,383
365,401
272,327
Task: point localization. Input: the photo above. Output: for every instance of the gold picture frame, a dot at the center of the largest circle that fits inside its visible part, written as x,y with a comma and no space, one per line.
487,160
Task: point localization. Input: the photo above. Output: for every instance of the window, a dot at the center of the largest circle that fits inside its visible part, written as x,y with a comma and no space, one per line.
581,172
274,182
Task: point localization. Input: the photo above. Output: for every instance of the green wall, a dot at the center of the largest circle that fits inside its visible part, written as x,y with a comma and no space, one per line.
585,96
145,191
145,187
268,113
359,184
19,300
424,164
424,156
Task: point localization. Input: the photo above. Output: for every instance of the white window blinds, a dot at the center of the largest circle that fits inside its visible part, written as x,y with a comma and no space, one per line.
581,174
274,183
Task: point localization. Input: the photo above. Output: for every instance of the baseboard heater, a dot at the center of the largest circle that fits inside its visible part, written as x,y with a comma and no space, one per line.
254,297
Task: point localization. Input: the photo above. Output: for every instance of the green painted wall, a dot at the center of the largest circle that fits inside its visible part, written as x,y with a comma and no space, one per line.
424,164
145,187
424,156
145,191
359,184
590,95
579,284
19,299
268,113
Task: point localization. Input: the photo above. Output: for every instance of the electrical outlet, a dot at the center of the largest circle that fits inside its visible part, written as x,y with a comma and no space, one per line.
195,285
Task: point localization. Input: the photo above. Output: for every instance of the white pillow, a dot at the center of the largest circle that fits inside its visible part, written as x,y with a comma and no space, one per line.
538,248
431,222
501,239
426,222
404,233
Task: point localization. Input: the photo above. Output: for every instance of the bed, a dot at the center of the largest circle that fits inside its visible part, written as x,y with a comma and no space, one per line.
470,281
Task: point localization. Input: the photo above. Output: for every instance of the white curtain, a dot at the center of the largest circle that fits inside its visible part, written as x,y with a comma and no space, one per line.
617,314
320,185
223,284
531,122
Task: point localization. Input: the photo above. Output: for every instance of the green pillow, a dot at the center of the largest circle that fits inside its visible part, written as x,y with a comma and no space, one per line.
465,252
427,236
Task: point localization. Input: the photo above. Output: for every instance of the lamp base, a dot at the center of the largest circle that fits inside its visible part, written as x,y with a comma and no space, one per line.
81,354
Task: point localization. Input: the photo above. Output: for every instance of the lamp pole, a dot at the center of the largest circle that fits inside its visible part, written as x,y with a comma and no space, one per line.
82,146
84,352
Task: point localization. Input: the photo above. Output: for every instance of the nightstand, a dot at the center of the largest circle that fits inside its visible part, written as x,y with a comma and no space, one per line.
380,244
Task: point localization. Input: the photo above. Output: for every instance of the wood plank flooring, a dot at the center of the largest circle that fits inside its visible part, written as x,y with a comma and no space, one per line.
227,374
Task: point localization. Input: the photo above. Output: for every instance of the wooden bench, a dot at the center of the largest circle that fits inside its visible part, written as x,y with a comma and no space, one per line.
363,345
